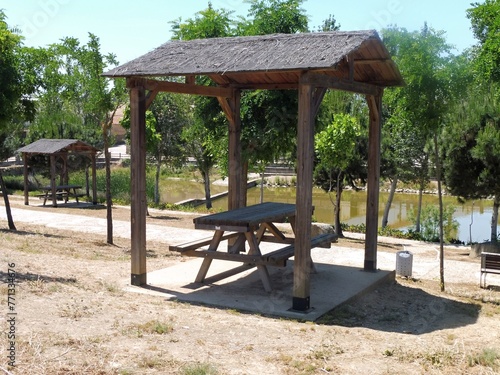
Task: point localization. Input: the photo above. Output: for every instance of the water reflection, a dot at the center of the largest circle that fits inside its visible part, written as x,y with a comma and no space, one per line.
353,209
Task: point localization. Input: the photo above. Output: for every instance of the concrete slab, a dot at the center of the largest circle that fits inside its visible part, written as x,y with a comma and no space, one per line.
332,285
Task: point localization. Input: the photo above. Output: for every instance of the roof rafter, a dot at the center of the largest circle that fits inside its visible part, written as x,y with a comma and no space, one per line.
323,80
181,88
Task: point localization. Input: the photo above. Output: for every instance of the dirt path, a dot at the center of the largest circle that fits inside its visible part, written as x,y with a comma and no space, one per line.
73,316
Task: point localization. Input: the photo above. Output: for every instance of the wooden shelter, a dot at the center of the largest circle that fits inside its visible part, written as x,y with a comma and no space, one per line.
310,63
58,149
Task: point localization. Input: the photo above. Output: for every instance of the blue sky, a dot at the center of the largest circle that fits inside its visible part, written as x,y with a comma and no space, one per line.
132,28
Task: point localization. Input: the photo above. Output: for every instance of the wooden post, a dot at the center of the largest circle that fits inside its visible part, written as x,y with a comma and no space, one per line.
305,154
372,201
65,173
25,162
235,168
94,178
138,184
53,179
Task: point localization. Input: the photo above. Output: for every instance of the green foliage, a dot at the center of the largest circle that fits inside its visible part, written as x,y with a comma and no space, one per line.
335,145
14,107
276,16
329,24
430,223
207,23
387,231
472,146
120,184
269,118
485,22
74,100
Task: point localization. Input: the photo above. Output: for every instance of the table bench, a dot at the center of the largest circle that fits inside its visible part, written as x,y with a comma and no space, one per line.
63,192
490,263
248,225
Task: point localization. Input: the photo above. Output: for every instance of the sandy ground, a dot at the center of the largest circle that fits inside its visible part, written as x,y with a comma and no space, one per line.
74,317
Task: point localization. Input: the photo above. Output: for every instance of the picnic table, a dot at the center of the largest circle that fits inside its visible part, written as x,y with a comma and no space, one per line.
62,191
246,227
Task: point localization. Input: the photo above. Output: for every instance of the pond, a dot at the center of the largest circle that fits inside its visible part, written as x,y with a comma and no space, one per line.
353,206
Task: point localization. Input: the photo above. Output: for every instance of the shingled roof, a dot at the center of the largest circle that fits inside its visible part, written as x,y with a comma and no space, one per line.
54,146
277,58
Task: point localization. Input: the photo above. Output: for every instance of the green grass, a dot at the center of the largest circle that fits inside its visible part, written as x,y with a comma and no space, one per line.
199,369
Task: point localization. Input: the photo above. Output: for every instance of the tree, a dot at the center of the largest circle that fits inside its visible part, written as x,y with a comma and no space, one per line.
101,105
276,16
171,113
423,58
476,123
335,150
75,101
404,155
329,24
485,23
200,145
472,149
207,23
10,97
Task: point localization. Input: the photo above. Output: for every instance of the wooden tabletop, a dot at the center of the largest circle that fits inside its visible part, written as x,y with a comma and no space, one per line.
62,187
250,216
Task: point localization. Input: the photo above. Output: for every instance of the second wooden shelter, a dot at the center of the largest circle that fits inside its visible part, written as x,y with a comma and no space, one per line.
58,149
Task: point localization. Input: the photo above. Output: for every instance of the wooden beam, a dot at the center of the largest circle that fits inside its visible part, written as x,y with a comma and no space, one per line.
150,97
53,179
373,181
180,88
138,205
265,86
190,79
318,96
323,80
305,156
350,62
372,61
231,108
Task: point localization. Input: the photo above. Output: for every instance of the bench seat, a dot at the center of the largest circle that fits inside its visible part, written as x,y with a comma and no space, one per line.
192,245
276,258
490,263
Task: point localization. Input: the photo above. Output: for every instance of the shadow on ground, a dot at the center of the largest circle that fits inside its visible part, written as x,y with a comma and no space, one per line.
403,309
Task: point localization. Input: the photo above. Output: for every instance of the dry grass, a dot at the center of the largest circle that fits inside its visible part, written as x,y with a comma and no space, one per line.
75,318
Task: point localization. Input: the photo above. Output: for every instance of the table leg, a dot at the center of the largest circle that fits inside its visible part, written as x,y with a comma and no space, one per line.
238,245
202,273
254,250
45,198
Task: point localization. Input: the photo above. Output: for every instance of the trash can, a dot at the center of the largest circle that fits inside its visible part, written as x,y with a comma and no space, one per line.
404,263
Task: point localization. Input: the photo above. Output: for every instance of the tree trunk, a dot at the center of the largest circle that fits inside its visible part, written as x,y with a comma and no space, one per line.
157,180
441,231
244,184
419,208
385,218
338,196
208,194
494,219
109,200
262,187
8,211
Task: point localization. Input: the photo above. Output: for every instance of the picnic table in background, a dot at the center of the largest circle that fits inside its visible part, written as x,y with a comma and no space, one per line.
62,191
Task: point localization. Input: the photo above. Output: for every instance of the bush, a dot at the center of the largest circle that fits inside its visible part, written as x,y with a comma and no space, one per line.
387,231
429,223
